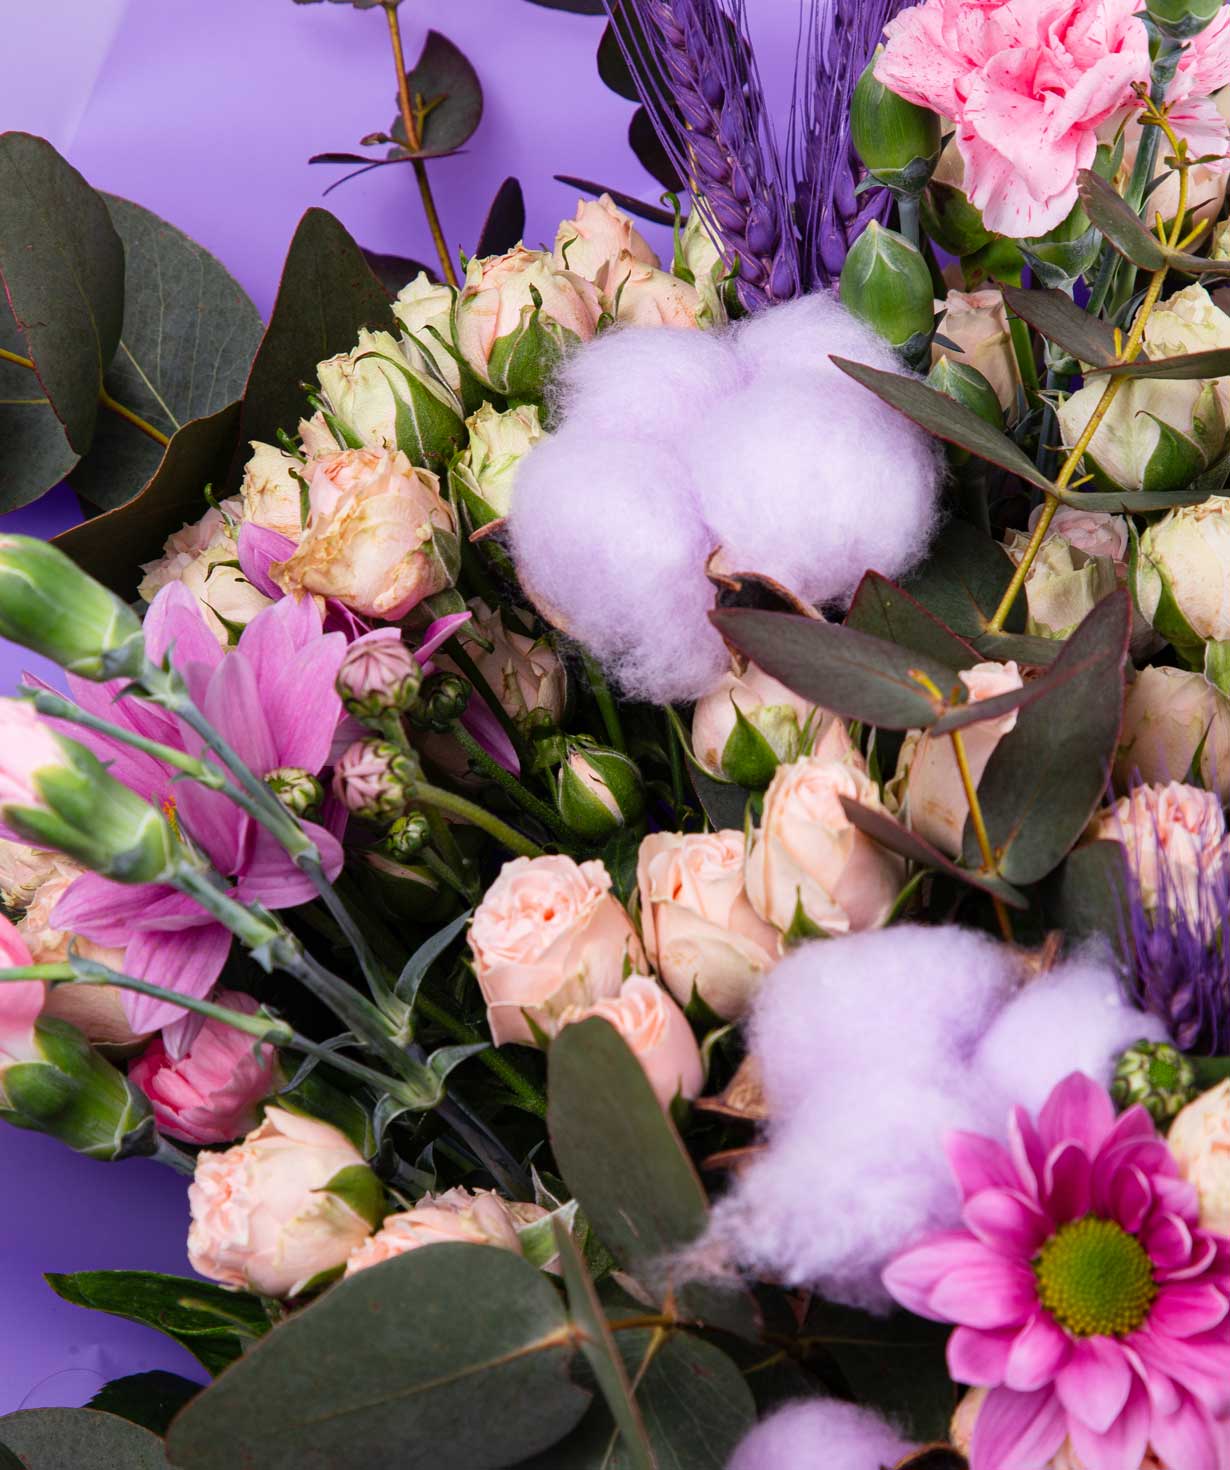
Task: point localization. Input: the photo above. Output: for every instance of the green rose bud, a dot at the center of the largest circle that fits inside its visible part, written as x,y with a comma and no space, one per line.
885,282
487,467
599,791
968,387
898,141
48,604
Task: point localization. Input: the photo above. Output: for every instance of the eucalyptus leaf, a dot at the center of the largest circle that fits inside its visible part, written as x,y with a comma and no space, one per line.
1088,895
613,67
190,333
214,1325
37,454
574,7
1131,502
963,579
149,1399
654,213
62,263
112,546
1211,364
1005,647
453,1357
1059,319
505,222
946,419
651,155
446,85
724,803
887,611
395,271
79,1439
1046,777
1119,222
327,292
853,674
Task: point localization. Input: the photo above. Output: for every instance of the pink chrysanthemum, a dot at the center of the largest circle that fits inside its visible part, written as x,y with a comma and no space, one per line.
1086,1297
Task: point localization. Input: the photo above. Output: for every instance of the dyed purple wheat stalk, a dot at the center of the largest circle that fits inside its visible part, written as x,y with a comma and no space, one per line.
842,36
697,77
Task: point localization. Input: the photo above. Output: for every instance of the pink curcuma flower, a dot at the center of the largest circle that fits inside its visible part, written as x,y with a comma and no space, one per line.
1028,83
1088,1300
273,699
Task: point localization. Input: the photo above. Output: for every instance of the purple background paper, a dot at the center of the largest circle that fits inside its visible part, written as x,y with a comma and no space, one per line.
206,114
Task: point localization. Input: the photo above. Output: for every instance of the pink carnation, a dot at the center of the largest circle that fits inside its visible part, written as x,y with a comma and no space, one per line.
1087,1298
1028,82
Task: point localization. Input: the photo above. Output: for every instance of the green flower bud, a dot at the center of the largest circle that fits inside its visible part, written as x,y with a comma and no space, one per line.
63,1087
441,703
885,282
1066,253
407,837
898,141
59,795
299,791
48,604
1156,1075
951,220
599,791
1182,19
969,387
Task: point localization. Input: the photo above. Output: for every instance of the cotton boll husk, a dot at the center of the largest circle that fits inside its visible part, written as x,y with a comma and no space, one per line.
872,1048
608,545
1072,1019
820,1432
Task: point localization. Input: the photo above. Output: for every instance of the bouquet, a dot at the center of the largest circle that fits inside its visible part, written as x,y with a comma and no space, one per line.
650,832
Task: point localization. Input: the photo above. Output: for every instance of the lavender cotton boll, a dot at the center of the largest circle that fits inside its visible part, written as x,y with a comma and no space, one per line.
873,1047
820,1432
745,441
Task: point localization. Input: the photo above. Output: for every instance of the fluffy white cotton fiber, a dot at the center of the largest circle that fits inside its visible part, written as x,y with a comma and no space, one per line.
820,1432
674,444
873,1047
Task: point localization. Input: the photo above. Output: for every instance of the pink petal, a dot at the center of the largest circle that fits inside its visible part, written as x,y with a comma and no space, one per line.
988,1291
1122,1444
302,704
1184,1310
979,1163
107,912
1067,1183
1094,1383
1017,1431
175,624
188,962
1130,1198
489,733
233,706
440,632
1039,1352
258,550
912,1276
1186,1439
1078,1109
978,1358
1028,1155
1007,1222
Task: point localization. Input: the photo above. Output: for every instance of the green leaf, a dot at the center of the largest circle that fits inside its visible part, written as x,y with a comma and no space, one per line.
946,419
395,271
1088,895
9,1461
724,803
1130,502
149,1399
326,294
112,546
1121,225
79,1439
453,1357
895,1365
886,611
63,269
598,1345
449,89
1047,775
614,69
416,967
963,580
1059,319
505,222
189,336
851,673
1212,364
214,1325
37,455
1003,647
897,838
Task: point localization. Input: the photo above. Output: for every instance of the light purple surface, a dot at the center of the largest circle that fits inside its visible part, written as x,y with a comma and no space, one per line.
207,114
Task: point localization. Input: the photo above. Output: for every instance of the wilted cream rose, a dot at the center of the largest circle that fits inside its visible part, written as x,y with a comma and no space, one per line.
263,1217
1082,559
379,537
928,784
524,672
701,932
598,234
272,496
977,321
1187,554
204,556
547,935
641,296
420,306
498,443
497,292
1171,835
472,1217
1199,1138
370,393
1167,714
316,438
808,860
23,871
786,721
657,1033
701,258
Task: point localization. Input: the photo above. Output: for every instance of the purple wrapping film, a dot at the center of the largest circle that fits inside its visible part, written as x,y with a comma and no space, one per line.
207,115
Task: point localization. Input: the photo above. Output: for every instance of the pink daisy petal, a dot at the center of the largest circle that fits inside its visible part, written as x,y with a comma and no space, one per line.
1078,1110
979,1163
1039,1352
1007,1222
1028,1155
189,961
1017,1431
979,1358
1122,1443
1187,1439
912,1276
1130,1198
1094,1383
1185,1310
1067,1187
987,1291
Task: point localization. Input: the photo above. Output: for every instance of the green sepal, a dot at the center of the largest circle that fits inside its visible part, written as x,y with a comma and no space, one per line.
357,1187
429,428
748,759
523,360
1167,621
1176,460
585,814
802,928
537,1239
1217,668
966,385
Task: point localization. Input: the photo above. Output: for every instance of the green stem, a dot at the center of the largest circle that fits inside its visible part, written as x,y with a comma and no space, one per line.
174,1158
508,783
907,217
530,1097
605,701
436,864
468,811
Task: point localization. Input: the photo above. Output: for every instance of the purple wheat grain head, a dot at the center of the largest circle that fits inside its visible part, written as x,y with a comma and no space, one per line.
696,74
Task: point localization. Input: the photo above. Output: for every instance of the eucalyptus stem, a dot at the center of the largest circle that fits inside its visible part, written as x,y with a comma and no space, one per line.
113,405
508,783
980,828
605,701
469,811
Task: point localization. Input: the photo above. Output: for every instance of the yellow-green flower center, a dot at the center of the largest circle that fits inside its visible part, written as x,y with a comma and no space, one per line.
1095,1279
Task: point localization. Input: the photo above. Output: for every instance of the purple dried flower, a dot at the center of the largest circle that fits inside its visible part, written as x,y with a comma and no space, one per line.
695,71
841,38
